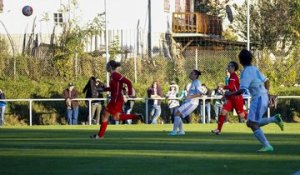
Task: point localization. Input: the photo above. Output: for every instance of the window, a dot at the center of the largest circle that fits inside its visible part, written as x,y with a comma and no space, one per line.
58,19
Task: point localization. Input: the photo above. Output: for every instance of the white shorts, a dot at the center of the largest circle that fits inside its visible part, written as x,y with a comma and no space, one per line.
258,108
187,108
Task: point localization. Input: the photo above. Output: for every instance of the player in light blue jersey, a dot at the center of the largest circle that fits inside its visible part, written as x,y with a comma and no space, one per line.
258,85
190,104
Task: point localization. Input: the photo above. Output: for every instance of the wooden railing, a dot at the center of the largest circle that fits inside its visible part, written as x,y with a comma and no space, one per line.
196,23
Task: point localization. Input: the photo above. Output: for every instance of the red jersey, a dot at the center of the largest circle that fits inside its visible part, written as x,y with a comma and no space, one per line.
237,101
234,83
116,83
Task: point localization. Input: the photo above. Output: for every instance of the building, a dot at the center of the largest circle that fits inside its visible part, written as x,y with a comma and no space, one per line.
171,20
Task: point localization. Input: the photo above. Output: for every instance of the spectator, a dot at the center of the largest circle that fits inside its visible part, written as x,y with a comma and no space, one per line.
227,77
91,92
218,103
128,104
98,105
172,103
2,107
154,92
69,94
207,93
173,83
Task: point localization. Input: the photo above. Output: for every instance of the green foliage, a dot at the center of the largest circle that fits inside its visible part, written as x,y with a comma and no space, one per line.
12,120
281,71
230,35
34,83
274,24
114,47
71,43
4,56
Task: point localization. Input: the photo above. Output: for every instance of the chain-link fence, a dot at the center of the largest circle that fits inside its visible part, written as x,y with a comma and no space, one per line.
46,64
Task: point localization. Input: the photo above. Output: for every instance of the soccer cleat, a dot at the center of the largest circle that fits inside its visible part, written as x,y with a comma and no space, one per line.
173,133
279,121
266,149
180,133
216,131
140,117
95,136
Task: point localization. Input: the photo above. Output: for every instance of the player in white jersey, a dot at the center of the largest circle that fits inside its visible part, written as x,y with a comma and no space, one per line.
190,104
258,85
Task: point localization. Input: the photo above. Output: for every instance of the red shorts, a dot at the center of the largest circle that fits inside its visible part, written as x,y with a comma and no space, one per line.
234,102
115,106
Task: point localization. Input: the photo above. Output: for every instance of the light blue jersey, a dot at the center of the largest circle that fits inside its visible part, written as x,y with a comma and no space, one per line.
194,89
253,80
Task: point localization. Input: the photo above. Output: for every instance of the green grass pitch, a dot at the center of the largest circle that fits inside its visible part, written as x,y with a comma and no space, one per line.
147,150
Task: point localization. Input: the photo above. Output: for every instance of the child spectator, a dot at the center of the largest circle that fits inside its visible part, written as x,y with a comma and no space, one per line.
172,103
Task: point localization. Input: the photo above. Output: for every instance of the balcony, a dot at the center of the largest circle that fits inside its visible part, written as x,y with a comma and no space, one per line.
196,23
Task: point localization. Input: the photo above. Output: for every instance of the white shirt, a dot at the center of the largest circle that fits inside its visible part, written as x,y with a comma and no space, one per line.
253,80
194,89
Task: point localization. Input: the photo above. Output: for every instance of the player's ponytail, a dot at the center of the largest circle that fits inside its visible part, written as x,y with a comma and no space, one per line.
113,64
198,72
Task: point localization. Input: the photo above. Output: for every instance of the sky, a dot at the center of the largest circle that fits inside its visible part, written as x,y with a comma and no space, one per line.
120,13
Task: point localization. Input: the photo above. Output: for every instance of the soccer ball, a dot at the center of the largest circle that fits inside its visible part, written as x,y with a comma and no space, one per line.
27,10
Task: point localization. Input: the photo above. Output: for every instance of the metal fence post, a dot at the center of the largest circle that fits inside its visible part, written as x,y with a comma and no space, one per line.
30,112
90,111
196,59
146,111
203,108
135,67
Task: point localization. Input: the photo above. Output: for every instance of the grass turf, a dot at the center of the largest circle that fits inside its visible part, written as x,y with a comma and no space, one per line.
147,149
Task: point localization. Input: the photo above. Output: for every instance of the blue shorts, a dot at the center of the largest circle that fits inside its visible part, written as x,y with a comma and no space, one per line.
258,108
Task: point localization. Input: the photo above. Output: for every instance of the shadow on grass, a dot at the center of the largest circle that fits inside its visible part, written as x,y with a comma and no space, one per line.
66,151
141,140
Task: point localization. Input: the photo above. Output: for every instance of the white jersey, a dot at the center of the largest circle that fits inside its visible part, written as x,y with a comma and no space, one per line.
253,80
194,89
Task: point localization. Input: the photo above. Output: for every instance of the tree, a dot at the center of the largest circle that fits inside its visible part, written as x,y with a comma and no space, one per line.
274,25
71,41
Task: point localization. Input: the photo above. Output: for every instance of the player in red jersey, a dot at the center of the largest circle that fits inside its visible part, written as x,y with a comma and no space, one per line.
116,102
236,102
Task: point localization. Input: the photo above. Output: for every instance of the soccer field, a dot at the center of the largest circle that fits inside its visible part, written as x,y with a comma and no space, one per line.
147,150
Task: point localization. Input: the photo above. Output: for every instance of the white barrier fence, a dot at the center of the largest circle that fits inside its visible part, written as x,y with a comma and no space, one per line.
204,98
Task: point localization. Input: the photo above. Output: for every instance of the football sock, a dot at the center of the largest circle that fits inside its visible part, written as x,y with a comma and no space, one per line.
102,129
260,136
265,121
246,115
176,123
127,116
180,125
221,122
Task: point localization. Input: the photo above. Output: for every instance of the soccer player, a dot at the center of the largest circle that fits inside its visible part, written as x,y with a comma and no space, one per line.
258,85
236,102
116,102
190,104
